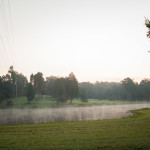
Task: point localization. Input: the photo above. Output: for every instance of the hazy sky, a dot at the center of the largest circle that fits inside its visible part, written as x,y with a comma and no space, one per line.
102,40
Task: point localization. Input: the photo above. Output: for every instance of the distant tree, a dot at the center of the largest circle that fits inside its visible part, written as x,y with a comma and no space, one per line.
38,82
30,92
103,90
6,90
60,90
50,83
84,95
144,89
130,88
147,23
72,87
1,89
13,79
22,83
89,88
6,87
19,82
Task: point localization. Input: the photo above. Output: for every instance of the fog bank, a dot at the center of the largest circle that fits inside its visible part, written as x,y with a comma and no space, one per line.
27,116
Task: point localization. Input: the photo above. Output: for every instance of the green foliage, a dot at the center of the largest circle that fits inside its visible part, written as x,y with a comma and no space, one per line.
22,83
65,88
116,134
102,90
73,90
30,92
68,88
60,90
50,83
38,81
126,90
130,88
84,95
18,81
11,82
144,89
6,90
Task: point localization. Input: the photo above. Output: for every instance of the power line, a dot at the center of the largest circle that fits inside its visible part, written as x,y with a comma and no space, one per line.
2,58
4,48
11,20
11,26
6,30
5,21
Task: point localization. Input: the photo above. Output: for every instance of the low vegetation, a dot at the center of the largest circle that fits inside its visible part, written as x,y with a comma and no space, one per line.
118,134
48,102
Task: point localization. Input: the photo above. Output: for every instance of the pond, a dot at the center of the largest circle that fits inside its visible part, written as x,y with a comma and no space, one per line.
27,116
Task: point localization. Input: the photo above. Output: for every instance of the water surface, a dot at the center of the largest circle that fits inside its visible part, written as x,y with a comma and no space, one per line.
25,116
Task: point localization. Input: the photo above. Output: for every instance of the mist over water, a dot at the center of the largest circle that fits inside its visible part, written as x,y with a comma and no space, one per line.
27,116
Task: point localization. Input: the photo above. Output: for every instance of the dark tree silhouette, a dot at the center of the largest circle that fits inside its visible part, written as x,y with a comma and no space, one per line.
38,81
84,95
73,89
147,23
130,88
30,92
60,90
50,82
144,89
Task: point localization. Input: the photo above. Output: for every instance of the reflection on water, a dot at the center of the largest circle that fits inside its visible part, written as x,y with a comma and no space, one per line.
24,116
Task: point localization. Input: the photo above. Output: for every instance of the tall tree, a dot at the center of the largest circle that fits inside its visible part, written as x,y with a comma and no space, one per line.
144,89
6,89
19,82
50,83
13,79
73,89
60,90
130,88
30,92
38,81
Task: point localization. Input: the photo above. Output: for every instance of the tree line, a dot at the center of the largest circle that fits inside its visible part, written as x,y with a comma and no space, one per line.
127,89
67,88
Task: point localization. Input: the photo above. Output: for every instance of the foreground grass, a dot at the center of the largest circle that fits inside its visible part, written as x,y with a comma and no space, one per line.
117,134
49,102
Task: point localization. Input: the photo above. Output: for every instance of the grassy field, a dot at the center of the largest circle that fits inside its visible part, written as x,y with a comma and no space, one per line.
118,134
22,102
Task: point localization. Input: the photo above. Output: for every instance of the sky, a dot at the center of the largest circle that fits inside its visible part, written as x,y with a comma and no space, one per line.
97,40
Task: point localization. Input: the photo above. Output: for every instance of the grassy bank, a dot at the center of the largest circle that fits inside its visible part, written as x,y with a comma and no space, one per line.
49,102
119,134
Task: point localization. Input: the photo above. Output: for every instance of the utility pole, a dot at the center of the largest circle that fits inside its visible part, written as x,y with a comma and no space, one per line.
16,87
